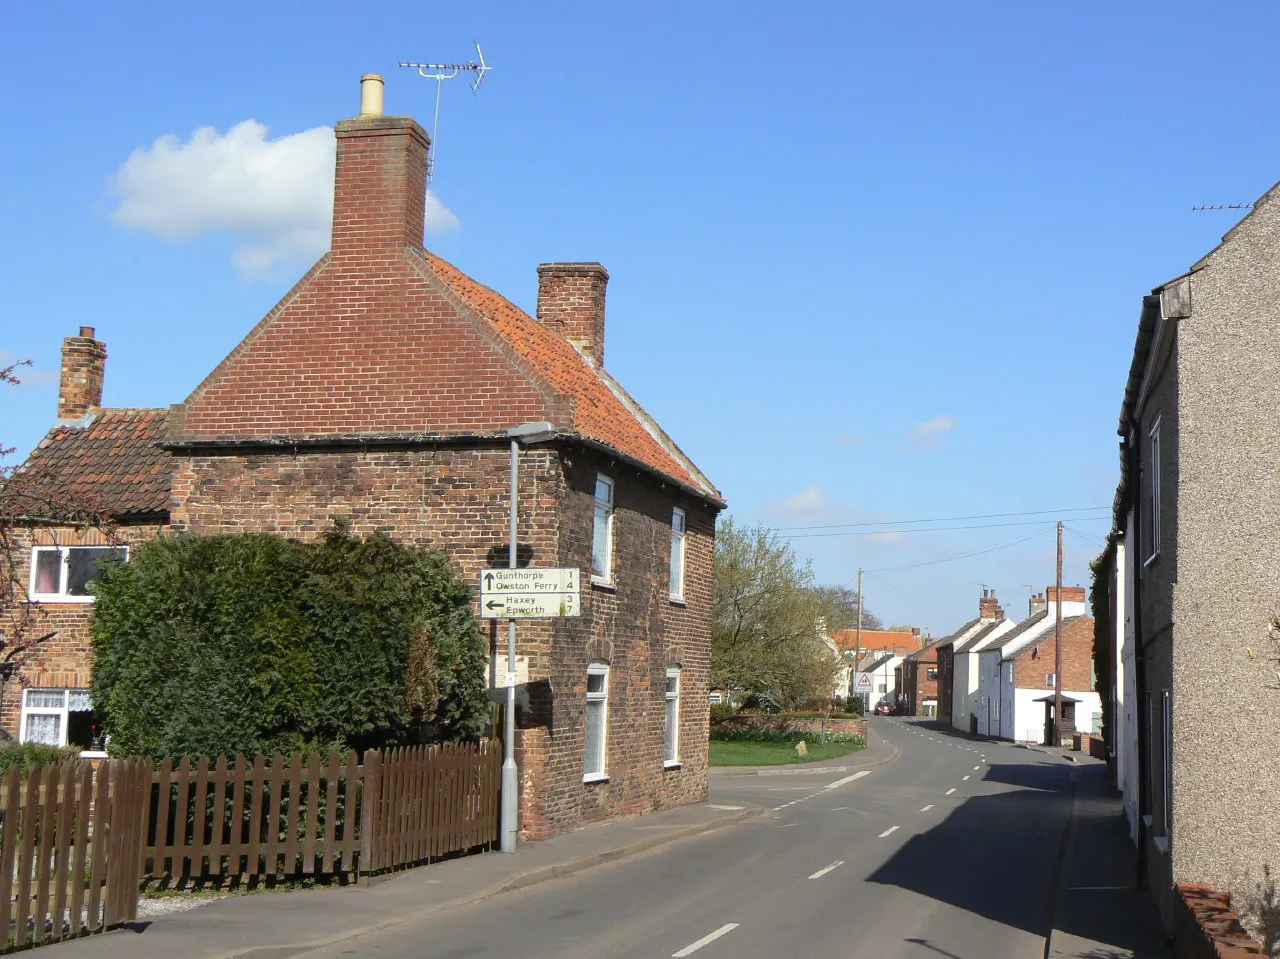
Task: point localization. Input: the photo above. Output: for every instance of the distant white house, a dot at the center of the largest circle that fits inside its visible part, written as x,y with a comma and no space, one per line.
1017,672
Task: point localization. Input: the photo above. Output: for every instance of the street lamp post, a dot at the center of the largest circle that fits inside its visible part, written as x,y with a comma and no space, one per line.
510,827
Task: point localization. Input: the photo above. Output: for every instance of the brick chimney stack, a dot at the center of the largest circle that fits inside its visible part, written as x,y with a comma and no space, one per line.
1070,594
571,302
380,181
1036,604
84,361
989,607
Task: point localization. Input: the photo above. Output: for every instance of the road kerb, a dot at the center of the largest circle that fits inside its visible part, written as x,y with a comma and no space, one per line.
523,880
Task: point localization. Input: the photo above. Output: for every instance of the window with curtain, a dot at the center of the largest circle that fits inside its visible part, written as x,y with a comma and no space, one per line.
671,744
596,721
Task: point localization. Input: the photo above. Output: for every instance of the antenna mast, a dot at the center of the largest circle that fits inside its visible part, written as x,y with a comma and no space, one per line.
441,72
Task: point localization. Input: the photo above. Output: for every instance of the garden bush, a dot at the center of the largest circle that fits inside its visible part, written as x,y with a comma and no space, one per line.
23,755
722,711
251,643
747,734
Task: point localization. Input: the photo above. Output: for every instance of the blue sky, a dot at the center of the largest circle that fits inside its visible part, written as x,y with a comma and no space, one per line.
870,262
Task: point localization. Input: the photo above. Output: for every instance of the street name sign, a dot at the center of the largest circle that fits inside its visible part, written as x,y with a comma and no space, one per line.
544,593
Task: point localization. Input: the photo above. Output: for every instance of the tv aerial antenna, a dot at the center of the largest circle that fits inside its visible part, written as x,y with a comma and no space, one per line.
441,72
1223,206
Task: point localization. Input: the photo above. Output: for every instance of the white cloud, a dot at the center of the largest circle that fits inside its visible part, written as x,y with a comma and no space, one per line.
934,427
813,507
275,196
27,375
927,435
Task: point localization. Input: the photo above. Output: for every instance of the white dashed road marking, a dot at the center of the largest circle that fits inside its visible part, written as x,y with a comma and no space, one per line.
690,949
888,832
826,869
849,779
963,777
927,808
951,790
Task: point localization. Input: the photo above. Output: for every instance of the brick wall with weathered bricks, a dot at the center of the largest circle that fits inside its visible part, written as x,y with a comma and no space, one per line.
457,500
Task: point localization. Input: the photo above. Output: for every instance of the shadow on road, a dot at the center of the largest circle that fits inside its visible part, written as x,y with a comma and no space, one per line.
994,855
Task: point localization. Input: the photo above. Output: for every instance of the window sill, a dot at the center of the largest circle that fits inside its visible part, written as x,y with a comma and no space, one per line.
604,584
1151,559
595,778
56,598
1161,843
677,601
672,765
92,754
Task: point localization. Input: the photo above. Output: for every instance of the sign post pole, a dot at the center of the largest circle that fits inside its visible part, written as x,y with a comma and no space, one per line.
510,775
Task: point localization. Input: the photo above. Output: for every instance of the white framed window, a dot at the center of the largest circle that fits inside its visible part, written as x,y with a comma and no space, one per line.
671,742
602,532
64,574
1153,492
57,717
597,722
677,554
716,699
1050,680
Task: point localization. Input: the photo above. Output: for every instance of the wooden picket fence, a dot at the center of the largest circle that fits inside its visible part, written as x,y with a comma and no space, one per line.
76,841
321,815
69,859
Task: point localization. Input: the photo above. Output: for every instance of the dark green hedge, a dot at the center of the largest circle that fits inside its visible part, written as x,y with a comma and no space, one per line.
249,643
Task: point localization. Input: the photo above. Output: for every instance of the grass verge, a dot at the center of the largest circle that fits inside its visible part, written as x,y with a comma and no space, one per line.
774,754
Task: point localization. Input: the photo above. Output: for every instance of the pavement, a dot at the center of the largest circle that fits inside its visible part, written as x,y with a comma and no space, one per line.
1098,914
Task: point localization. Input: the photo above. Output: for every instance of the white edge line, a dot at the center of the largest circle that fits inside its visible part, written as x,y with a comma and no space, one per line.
710,937
889,831
826,869
848,779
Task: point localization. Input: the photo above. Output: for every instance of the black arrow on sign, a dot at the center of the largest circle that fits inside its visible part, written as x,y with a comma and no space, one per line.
488,579
495,604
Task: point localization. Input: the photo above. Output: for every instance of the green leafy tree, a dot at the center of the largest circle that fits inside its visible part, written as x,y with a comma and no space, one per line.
249,643
768,618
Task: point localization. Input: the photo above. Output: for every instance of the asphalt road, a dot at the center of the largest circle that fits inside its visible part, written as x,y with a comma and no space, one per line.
950,851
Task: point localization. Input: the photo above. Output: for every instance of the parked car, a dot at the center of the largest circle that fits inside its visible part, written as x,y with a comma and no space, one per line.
884,709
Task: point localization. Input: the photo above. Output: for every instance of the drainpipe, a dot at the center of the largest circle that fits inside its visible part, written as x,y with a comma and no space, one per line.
1134,450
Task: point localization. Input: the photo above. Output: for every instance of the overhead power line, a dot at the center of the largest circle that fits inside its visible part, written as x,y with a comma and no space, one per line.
932,529
950,519
952,559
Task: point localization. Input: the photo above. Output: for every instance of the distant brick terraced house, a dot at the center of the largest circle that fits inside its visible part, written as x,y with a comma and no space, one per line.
381,390
916,679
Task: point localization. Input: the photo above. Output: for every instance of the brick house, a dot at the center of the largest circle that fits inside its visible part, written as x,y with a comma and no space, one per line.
1017,672
381,389
1193,581
916,678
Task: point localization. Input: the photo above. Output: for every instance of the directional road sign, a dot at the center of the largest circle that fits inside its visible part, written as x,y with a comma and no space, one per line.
549,592
549,579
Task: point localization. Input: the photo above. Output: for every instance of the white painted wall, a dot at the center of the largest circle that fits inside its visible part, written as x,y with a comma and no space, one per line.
1028,719
966,686
1126,684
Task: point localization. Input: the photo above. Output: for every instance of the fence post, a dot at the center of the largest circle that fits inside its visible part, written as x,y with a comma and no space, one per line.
370,814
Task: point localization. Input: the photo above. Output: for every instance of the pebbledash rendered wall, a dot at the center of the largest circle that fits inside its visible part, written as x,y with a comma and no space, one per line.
1225,695
456,499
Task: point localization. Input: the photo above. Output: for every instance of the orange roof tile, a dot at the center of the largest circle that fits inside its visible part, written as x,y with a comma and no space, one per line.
602,409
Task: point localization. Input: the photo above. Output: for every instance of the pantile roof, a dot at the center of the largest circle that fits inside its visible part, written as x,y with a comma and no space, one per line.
109,460
877,639
603,410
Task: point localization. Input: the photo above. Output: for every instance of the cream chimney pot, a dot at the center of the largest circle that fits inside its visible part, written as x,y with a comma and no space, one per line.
371,87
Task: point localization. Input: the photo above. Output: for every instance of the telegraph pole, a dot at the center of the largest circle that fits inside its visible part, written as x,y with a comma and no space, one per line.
1057,651
859,611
